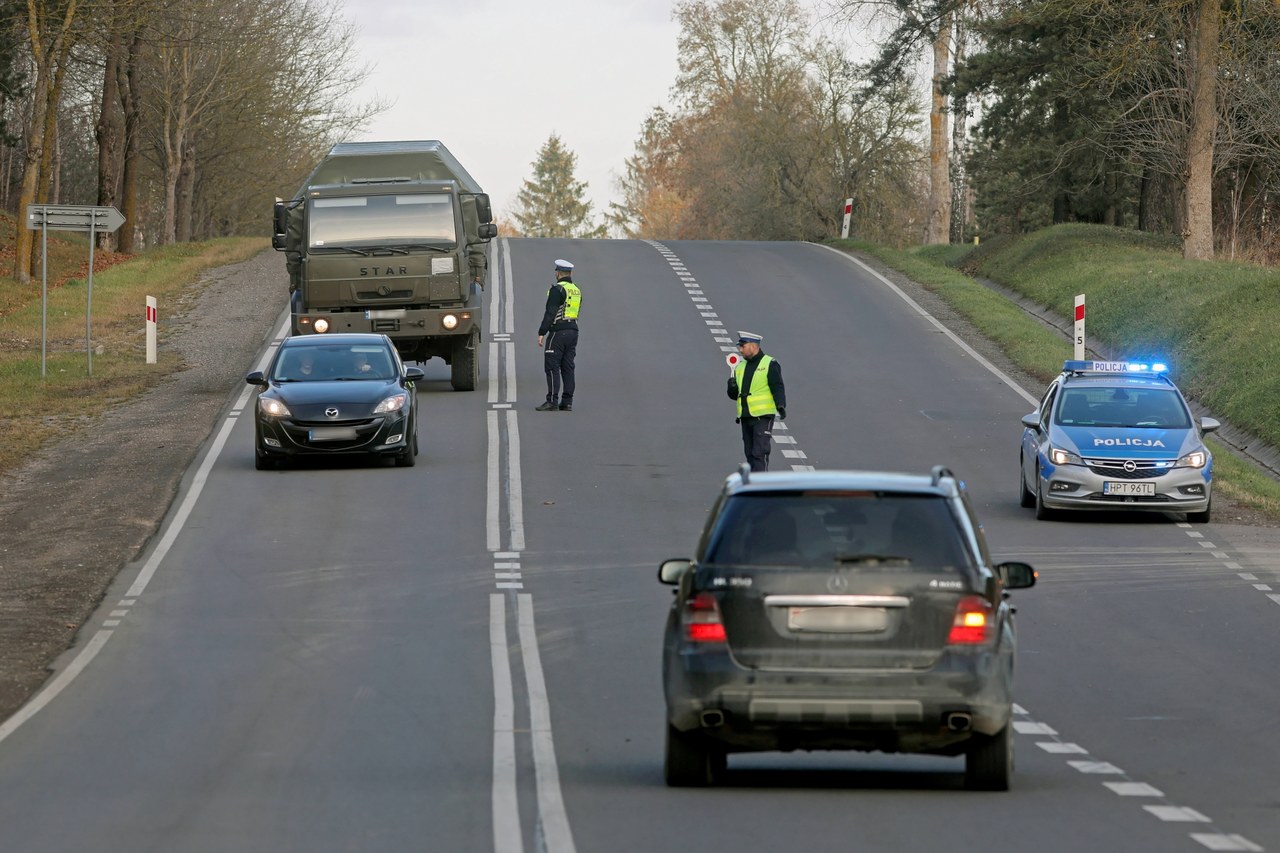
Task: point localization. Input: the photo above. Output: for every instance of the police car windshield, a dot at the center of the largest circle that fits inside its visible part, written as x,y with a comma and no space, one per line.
1122,407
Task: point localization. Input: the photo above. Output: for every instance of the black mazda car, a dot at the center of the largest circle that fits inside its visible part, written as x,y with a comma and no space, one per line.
841,610
330,395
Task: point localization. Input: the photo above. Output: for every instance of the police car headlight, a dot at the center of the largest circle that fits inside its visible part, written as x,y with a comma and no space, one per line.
393,403
1059,456
449,321
1194,459
273,408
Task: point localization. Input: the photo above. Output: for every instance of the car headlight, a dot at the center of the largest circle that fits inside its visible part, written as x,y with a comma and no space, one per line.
273,408
1058,456
394,403
1194,459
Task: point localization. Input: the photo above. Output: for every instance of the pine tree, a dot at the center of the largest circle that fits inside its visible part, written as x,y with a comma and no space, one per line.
551,203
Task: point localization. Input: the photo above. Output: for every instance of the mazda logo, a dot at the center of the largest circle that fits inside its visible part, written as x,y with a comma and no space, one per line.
1130,465
331,412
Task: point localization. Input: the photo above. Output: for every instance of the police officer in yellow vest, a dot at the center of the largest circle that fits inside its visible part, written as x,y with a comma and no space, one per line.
756,384
558,337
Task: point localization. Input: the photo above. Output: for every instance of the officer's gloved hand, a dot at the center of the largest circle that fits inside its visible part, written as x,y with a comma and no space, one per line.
782,413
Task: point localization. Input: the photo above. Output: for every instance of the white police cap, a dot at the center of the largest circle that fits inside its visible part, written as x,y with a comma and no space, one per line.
563,265
749,338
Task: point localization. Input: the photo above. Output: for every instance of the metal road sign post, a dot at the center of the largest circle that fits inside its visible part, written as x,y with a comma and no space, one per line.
68,217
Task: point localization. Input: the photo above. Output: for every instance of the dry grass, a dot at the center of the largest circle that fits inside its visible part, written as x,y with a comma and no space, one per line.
74,390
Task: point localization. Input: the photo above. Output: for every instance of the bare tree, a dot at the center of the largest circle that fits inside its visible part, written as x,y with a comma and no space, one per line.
51,34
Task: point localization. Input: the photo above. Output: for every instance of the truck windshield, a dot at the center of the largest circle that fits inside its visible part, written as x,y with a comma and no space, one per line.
381,219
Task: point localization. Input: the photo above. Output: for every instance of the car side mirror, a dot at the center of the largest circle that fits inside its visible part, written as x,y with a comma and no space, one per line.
671,571
1031,421
256,378
1016,575
414,374
1209,424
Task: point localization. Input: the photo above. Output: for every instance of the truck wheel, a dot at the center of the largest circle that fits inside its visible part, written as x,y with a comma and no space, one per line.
464,372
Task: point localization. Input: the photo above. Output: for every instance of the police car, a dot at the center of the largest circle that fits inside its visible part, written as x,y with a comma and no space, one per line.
1115,436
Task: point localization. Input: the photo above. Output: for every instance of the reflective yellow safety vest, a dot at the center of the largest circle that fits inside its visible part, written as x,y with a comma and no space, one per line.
759,397
572,301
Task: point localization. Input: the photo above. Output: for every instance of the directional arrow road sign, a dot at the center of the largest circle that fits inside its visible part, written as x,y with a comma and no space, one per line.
73,217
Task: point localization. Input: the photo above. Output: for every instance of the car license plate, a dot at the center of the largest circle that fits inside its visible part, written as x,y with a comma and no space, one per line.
1128,488
332,434
840,620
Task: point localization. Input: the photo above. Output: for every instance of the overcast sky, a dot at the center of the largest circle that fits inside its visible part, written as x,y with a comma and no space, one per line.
493,79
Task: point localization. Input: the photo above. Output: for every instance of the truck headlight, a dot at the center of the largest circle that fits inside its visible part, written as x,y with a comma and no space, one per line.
449,321
321,325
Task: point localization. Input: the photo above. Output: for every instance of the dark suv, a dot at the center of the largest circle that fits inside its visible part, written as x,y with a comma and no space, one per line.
841,610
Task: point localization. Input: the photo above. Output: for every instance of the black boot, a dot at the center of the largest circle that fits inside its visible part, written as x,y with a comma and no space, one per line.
549,406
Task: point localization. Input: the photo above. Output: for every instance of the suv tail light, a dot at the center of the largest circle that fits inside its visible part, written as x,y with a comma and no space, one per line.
702,620
974,623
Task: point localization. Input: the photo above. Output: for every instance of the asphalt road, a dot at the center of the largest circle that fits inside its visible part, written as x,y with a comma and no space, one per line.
465,655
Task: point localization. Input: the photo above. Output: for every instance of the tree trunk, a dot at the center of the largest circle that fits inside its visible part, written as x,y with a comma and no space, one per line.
1197,241
108,132
959,179
131,105
939,224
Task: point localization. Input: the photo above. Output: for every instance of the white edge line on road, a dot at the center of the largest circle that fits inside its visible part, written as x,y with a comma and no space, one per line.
941,328
197,483
86,655
59,683
506,810
556,834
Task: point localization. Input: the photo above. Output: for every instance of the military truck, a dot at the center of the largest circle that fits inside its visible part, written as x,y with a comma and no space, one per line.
389,237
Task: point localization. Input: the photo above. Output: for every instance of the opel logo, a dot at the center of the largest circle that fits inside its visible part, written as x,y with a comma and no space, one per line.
837,583
1130,465
331,412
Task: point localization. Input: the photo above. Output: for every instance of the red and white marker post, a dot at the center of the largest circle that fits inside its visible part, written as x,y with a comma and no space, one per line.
152,315
1078,352
848,214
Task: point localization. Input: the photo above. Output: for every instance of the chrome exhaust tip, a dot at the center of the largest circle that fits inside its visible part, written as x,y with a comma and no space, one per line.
959,721
712,719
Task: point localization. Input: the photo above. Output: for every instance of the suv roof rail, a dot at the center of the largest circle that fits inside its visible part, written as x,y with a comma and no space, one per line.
744,471
938,472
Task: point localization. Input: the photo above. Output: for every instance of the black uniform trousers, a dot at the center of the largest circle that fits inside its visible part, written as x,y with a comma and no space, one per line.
757,440
558,351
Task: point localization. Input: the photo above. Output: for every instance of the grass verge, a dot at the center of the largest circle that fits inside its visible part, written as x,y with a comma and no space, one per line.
1212,319
38,407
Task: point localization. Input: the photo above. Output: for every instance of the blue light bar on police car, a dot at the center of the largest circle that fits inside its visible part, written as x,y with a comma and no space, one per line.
1073,366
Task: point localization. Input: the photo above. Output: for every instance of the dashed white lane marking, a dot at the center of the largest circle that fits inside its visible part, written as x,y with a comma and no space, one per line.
1166,811
707,311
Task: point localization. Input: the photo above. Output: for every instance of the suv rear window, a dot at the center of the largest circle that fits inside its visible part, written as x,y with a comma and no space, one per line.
837,528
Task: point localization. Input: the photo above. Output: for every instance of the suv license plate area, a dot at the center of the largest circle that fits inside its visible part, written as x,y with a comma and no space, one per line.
1123,489
837,620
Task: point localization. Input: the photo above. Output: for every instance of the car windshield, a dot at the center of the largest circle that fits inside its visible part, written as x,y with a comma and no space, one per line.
332,363
874,530
1122,407
382,220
